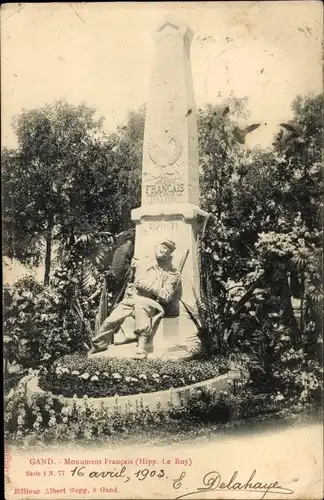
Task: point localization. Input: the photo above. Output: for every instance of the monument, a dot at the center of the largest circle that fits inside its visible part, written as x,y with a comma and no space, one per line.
170,175
170,189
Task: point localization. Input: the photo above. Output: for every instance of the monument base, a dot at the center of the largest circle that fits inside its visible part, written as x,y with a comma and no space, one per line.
176,338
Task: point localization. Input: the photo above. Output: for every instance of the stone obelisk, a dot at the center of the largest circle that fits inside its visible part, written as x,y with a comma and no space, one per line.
170,174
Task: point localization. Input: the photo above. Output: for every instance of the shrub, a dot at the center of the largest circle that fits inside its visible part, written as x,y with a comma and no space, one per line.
11,380
297,376
101,377
38,324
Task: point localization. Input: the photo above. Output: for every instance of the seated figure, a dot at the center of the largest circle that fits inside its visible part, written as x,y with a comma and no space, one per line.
156,283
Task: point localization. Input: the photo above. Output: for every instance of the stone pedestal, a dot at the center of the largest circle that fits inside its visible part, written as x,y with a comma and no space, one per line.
180,223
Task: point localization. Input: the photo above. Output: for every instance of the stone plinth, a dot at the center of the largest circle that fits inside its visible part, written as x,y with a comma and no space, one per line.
179,222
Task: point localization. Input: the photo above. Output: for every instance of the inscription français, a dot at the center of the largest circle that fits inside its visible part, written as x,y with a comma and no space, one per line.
167,192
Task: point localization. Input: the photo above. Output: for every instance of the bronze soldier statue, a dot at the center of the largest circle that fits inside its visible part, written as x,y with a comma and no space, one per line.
156,283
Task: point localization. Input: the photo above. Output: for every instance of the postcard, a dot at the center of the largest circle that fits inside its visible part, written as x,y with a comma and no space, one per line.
162,250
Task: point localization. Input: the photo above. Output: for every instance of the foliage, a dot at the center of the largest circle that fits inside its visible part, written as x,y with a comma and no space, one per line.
260,251
65,178
45,419
295,374
218,318
39,325
39,175
101,377
265,208
85,256
45,322
219,152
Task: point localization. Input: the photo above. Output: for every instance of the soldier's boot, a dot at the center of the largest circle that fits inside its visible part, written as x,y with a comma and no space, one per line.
144,347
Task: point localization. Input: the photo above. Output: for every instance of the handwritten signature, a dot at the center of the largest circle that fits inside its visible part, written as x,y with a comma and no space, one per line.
212,481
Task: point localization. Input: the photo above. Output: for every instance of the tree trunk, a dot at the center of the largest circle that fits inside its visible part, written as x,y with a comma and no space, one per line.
302,302
289,318
6,367
48,255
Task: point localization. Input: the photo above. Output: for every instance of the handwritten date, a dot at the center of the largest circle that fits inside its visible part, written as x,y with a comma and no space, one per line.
121,473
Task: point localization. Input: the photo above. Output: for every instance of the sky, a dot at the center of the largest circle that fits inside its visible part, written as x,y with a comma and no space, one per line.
103,53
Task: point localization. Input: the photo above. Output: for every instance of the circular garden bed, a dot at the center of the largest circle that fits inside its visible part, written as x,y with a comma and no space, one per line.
77,375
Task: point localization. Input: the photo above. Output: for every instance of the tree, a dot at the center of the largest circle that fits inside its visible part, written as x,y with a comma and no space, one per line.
52,142
67,179
266,207
219,151
299,149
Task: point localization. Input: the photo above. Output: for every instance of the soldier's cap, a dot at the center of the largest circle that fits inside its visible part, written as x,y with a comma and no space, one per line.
169,244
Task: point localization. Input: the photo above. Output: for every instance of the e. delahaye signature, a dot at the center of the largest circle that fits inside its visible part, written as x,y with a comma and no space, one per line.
212,481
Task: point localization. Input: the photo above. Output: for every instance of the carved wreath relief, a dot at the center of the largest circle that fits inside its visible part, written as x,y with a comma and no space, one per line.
165,148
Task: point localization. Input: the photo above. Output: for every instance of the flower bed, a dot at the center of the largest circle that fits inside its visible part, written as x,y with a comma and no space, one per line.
104,377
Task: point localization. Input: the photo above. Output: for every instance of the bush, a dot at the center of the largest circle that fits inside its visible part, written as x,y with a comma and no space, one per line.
296,376
102,377
293,373
11,380
38,324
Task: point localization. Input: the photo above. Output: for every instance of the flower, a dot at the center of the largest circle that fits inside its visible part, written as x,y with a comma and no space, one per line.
117,376
75,372
69,410
94,378
279,396
85,376
142,376
20,420
52,421
128,379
